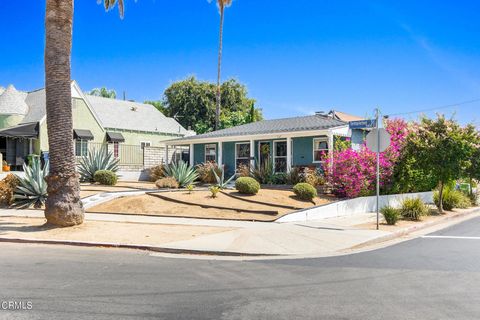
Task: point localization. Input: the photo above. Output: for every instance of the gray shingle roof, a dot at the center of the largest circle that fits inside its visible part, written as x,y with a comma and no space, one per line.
111,113
305,123
13,102
129,115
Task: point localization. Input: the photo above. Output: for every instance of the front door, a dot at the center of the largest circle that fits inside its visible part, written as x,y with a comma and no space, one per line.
264,152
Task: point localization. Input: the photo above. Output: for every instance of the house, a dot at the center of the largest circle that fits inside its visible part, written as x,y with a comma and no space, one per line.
291,142
129,129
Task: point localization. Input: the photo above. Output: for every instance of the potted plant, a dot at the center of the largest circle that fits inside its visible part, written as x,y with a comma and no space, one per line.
5,166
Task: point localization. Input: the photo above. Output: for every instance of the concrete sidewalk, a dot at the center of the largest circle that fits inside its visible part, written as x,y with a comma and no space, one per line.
313,238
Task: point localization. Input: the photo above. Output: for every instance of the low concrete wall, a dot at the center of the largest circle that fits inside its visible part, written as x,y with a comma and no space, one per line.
138,175
352,206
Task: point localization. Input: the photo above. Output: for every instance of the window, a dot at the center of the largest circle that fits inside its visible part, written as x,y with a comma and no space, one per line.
210,152
242,154
280,156
144,144
116,147
81,148
320,149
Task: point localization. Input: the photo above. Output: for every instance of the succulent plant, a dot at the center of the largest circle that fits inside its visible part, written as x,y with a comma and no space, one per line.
221,183
182,172
32,188
94,161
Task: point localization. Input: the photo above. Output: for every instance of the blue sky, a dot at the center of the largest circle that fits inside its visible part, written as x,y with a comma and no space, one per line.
296,57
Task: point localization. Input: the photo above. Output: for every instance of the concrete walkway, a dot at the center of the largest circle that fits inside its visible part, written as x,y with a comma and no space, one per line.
313,238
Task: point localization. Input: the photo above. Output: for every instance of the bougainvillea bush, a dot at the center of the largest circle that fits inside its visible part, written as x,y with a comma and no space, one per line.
352,173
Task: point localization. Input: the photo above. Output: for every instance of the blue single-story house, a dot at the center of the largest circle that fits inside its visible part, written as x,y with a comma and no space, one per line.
303,141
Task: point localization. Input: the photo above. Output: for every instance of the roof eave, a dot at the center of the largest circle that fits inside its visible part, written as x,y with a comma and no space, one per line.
266,136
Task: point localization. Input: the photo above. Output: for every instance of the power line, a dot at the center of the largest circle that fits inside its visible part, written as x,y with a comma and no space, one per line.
437,108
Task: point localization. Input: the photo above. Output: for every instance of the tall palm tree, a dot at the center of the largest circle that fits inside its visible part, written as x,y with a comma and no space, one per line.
63,206
222,4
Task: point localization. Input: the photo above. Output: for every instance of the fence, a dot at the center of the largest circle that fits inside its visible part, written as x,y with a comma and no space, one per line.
135,156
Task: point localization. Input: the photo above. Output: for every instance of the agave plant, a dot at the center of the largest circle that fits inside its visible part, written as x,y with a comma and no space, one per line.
221,183
96,160
32,188
182,172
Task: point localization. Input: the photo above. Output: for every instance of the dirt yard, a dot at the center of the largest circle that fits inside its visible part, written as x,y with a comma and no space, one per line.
97,231
89,189
191,205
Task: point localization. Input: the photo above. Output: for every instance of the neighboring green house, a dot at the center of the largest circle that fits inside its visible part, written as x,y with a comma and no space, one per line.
126,127
292,142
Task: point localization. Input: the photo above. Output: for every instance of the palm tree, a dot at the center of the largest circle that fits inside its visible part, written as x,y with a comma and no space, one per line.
222,4
103,92
63,206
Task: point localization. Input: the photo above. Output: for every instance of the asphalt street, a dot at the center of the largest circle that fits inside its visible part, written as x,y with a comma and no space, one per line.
432,277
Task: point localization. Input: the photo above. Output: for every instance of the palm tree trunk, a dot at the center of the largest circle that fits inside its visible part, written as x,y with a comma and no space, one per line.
217,111
440,197
63,206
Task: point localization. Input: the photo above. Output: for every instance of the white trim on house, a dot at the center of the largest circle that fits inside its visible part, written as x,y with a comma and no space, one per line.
209,145
270,136
236,153
322,139
275,155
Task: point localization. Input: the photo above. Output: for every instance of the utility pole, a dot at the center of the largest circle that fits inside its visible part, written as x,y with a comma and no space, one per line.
377,114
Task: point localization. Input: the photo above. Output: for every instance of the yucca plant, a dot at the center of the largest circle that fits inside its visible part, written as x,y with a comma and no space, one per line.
96,160
182,172
264,172
221,183
32,188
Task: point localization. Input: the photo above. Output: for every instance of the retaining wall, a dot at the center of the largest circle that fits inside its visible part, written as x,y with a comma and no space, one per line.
352,206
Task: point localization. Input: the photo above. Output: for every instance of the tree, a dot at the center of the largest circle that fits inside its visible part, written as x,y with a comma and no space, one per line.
442,149
353,173
192,103
222,4
158,105
103,92
63,206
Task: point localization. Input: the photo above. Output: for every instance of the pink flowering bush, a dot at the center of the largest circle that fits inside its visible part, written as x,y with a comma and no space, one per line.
353,173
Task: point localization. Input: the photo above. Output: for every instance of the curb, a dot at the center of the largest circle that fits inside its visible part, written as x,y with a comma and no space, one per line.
137,247
406,231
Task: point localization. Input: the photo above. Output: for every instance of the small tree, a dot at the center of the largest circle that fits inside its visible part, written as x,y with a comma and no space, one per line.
443,148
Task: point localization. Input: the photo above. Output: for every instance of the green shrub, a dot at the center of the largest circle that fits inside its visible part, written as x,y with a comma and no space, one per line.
214,190
190,188
106,177
390,214
167,182
413,209
452,199
95,160
247,185
305,191
182,172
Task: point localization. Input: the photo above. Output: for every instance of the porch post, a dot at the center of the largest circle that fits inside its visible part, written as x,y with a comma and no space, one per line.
191,154
252,153
289,154
220,153
166,154
330,145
